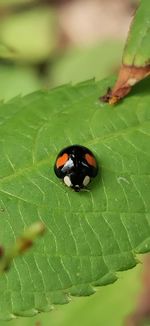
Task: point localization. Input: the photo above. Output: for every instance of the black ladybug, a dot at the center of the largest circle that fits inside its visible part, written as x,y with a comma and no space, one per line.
76,165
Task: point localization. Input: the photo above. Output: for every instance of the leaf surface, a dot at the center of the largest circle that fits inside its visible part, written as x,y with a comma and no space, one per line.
120,296
90,235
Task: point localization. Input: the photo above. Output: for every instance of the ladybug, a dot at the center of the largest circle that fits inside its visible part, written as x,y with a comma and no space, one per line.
76,165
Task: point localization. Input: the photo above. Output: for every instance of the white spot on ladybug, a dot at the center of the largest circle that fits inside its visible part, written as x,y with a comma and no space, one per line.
67,181
86,180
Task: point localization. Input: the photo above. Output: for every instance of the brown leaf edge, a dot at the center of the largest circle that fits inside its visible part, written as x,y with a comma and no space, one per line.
128,76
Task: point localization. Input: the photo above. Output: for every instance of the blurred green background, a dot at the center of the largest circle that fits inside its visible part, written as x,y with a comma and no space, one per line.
44,44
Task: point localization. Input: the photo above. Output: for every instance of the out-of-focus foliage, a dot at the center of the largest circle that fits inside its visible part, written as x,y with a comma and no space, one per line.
17,80
14,2
72,66
21,244
29,36
79,64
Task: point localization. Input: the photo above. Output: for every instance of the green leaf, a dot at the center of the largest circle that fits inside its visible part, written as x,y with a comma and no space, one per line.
90,235
137,50
119,299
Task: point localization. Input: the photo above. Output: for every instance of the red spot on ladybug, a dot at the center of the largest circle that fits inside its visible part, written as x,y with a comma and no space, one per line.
61,160
90,159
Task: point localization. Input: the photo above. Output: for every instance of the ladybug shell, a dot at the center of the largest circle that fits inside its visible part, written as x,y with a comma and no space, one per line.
76,162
